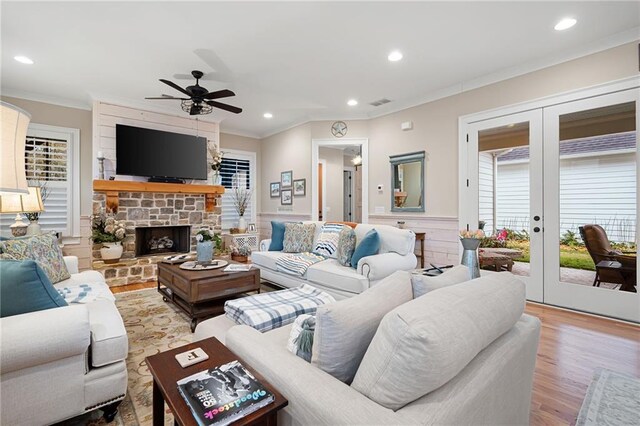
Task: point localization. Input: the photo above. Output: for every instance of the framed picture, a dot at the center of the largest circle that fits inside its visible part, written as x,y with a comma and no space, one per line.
299,187
251,228
285,179
286,198
275,189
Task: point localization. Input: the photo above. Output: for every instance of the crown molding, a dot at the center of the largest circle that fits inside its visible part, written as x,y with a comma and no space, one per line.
53,100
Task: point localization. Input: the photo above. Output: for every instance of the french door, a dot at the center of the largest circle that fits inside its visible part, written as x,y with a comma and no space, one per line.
537,179
590,178
505,178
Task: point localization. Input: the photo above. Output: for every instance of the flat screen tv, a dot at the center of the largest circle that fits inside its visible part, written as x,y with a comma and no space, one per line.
160,155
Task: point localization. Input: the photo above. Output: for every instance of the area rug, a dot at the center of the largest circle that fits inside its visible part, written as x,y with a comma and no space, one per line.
612,399
153,326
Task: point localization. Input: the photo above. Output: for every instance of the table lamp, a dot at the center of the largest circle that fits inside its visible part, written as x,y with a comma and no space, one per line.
18,203
14,122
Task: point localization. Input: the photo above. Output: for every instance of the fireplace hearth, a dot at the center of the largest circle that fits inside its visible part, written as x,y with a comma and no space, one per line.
155,240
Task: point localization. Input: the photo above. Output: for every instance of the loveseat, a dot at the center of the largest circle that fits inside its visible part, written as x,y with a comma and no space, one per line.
62,362
396,254
462,354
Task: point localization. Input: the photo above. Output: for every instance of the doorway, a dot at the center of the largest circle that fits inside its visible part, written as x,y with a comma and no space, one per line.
540,181
338,187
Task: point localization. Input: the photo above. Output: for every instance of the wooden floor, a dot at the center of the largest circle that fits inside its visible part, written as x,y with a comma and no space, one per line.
572,346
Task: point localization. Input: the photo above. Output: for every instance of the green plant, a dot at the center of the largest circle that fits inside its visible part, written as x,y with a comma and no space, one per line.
240,251
569,238
106,229
492,242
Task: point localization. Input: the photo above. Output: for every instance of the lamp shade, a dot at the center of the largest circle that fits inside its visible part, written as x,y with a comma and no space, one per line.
15,122
18,203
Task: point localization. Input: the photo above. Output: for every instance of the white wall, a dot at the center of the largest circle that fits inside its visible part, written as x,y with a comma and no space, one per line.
485,182
597,189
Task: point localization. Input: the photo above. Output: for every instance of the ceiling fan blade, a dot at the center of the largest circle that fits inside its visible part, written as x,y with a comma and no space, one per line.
225,107
219,94
175,86
170,97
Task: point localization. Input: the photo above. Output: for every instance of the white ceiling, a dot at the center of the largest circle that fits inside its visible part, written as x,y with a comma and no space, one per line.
299,61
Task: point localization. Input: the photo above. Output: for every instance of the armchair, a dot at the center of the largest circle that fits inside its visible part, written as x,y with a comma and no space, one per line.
612,266
59,363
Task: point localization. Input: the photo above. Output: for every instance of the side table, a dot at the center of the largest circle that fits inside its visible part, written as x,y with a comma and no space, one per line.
420,236
166,372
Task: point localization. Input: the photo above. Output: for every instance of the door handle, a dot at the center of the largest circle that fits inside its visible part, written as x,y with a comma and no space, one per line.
536,229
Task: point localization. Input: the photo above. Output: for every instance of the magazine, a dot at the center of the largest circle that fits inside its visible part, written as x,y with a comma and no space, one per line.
222,395
233,267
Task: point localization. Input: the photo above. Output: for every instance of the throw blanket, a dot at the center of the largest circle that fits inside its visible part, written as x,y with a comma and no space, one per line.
82,293
275,309
297,263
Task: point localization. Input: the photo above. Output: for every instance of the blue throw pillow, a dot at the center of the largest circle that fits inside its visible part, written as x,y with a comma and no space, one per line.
26,288
369,246
277,236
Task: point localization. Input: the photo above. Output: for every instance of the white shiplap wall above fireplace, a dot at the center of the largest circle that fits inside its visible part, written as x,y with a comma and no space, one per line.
106,116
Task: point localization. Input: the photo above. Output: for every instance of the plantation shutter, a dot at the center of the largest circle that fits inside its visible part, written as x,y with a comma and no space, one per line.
47,163
235,171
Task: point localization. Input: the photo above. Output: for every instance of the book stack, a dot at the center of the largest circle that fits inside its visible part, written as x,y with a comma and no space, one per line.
222,395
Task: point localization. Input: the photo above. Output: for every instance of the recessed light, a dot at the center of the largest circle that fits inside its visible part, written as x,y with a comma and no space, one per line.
352,102
565,24
23,60
267,115
395,56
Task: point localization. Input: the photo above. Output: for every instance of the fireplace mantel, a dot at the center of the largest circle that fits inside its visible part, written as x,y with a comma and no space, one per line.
112,187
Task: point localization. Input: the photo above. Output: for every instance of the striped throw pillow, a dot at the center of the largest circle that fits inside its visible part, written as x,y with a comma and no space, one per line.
327,244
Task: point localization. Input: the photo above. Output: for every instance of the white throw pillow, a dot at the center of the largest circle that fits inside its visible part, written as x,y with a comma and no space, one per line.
423,284
425,343
344,329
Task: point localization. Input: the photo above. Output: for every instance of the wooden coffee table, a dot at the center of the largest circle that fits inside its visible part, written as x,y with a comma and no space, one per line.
166,372
201,294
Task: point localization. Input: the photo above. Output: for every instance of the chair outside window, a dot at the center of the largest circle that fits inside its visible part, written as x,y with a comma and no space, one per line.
612,266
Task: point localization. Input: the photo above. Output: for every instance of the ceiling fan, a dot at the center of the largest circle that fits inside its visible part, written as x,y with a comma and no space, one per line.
200,100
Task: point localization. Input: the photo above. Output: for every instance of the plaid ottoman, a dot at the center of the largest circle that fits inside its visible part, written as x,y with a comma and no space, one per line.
275,309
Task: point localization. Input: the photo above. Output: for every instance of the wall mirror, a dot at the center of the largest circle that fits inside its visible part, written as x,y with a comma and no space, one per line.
407,182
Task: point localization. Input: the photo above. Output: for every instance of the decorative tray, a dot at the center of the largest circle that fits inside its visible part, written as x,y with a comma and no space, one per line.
195,266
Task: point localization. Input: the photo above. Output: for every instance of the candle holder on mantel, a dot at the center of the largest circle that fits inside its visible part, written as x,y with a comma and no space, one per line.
101,159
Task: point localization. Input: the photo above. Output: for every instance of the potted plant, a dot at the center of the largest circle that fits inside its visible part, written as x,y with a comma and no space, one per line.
108,232
206,242
241,197
216,163
240,254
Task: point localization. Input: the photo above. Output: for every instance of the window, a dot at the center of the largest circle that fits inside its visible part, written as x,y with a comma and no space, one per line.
52,158
238,169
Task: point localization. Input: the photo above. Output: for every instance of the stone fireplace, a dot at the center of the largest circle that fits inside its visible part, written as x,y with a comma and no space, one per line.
154,240
150,217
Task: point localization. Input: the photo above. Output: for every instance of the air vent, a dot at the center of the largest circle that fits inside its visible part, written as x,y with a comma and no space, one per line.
380,102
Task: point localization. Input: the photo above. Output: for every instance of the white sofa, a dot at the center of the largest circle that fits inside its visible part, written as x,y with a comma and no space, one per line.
482,317
59,363
396,254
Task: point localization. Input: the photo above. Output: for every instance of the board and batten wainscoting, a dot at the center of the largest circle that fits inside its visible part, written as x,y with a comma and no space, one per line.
106,116
441,245
83,249
441,241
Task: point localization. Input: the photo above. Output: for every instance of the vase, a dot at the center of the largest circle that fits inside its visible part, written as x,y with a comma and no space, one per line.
111,252
242,225
34,228
217,178
239,258
204,250
470,256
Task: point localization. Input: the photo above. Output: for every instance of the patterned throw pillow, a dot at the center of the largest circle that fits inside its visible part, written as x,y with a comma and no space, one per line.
327,244
44,250
346,246
298,237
